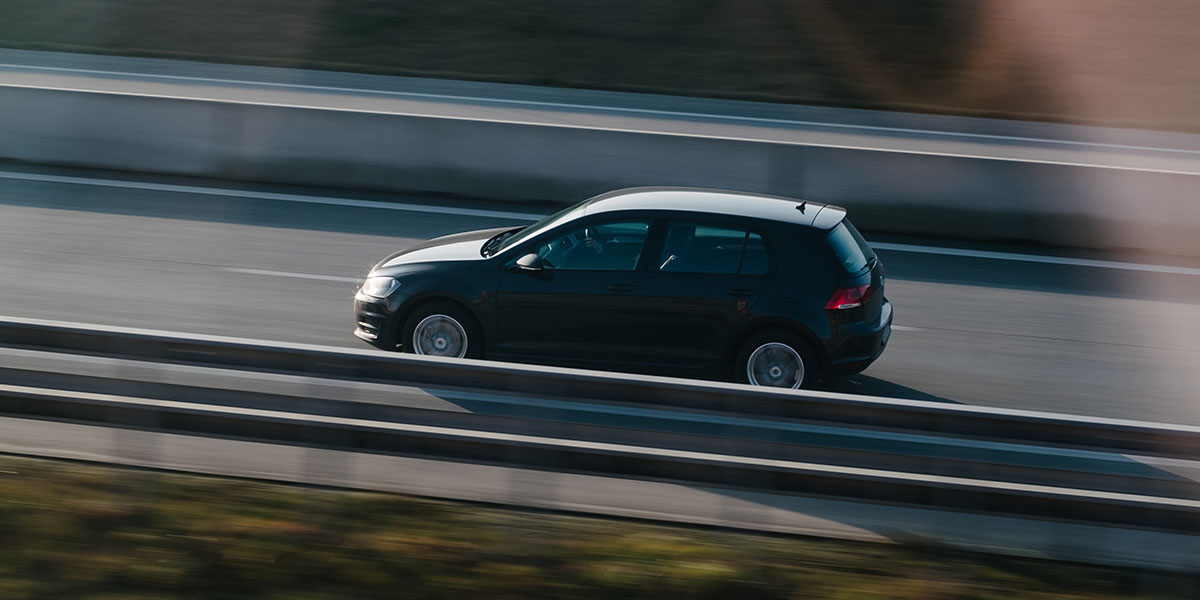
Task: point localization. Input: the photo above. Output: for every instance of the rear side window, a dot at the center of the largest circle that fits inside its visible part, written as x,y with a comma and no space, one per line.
691,248
850,248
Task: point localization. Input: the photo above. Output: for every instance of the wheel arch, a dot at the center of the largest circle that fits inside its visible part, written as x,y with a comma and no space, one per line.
414,304
751,330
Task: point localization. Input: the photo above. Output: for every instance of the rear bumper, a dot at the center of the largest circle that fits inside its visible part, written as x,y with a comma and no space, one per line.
862,344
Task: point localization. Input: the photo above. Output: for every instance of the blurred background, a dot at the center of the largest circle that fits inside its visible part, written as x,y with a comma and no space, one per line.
1096,62
1027,171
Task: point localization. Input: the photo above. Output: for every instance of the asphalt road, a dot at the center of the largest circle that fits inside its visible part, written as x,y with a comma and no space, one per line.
1058,337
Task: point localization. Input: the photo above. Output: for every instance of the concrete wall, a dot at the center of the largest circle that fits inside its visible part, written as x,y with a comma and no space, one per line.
885,191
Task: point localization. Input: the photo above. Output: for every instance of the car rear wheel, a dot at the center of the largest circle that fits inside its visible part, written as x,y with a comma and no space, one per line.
776,360
442,329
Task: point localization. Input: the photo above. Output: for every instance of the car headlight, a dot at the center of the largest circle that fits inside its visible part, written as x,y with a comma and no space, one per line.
379,287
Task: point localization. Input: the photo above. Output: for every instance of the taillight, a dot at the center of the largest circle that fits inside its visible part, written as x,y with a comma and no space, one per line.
849,297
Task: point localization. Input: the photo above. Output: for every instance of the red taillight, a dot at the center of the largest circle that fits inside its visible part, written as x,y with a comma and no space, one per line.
850,297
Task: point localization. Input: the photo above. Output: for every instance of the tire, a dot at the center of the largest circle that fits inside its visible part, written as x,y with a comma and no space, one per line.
776,359
442,329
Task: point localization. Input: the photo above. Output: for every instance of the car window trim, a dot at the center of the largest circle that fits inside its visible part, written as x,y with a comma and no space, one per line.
768,247
742,254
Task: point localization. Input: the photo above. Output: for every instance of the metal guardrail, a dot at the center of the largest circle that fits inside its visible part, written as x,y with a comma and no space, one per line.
877,450
371,365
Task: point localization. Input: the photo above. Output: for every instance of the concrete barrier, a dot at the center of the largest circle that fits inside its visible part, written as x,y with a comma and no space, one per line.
886,191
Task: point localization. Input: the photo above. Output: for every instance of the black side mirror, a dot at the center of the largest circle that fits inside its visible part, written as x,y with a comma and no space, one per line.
530,262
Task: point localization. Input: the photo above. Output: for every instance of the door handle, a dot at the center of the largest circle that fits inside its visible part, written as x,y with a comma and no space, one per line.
740,293
622,287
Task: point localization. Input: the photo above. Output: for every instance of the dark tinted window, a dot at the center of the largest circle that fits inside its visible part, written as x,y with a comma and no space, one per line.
691,248
605,247
850,248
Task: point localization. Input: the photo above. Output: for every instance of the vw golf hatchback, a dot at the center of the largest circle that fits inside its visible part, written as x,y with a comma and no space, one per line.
688,282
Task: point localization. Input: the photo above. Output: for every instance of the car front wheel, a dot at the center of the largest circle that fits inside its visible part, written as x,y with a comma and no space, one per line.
442,329
776,360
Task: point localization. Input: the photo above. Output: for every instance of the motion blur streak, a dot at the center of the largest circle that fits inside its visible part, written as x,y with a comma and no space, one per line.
1037,258
524,102
215,191
453,210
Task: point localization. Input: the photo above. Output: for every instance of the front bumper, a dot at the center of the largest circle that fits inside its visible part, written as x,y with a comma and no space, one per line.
863,344
375,322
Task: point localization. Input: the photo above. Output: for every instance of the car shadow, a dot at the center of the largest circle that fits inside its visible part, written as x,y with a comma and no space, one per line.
872,386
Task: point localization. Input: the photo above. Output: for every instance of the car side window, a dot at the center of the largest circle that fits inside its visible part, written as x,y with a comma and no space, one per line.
691,248
600,247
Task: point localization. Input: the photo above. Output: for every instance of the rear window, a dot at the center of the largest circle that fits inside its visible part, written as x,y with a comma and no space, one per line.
850,248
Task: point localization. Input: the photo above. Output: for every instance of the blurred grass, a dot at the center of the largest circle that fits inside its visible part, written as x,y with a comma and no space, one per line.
71,530
1104,62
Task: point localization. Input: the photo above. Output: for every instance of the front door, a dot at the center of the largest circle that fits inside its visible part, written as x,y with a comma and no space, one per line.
579,309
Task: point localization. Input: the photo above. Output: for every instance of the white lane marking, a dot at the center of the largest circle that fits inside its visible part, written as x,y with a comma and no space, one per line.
188,189
905,328
292,275
659,131
1037,258
602,108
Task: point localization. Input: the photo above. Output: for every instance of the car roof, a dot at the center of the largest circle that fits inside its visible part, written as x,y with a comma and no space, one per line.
718,202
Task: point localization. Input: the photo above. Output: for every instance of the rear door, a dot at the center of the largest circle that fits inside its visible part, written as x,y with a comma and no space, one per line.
702,283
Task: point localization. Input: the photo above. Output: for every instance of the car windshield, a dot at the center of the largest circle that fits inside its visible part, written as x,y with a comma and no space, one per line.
851,249
549,222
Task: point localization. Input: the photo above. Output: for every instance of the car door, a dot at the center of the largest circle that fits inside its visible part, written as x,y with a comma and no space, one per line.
701,286
578,308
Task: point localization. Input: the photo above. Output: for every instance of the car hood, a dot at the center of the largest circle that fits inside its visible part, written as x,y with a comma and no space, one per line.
459,246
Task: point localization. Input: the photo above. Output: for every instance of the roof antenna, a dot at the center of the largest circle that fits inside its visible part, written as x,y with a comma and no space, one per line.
801,207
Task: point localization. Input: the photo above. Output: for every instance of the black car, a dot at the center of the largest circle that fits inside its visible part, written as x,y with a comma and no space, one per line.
690,282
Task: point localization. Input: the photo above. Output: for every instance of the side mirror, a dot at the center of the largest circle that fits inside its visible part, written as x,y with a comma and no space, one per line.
530,262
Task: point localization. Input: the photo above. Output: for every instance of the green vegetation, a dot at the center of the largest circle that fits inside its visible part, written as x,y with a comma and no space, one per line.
70,530
1107,62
